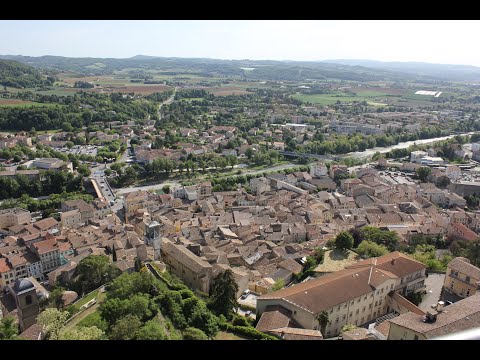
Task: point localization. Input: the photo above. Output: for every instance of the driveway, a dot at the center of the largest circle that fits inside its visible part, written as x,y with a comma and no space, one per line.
434,284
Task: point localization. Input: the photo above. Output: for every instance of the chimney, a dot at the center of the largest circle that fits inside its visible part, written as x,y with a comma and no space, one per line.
431,316
440,306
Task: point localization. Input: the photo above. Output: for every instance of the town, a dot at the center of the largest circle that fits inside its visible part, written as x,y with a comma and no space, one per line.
190,198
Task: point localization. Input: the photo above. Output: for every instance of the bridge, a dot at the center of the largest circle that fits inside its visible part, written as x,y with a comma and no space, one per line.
102,189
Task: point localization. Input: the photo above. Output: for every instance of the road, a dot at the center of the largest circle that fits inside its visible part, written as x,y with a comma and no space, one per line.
166,102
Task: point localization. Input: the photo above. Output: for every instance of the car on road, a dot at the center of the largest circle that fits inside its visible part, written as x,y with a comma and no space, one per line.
248,313
245,294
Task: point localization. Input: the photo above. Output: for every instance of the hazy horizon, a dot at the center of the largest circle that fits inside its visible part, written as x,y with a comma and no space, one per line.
432,41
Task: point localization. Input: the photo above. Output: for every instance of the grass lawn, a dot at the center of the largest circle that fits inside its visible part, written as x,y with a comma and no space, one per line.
86,299
225,335
327,99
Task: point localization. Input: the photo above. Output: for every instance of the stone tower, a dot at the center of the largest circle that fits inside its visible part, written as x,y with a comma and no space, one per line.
26,299
152,238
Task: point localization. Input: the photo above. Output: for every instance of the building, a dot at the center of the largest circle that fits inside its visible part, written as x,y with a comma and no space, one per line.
7,274
49,253
52,164
26,299
195,272
259,185
337,170
15,216
356,295
70,218
460,316
462,278
417,156
318,169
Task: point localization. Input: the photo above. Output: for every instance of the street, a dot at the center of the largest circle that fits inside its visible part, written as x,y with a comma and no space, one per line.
434,284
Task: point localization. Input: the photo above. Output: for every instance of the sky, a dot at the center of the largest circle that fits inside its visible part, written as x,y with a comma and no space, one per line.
443,42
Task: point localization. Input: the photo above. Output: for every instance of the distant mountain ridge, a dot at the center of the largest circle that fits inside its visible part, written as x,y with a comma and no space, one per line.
18,75
447,71
342,69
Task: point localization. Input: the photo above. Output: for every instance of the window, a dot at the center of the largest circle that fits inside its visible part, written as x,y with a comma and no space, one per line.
391,287
363,310
467,279
28,299
369,306
415,337
468,292
336,321
351,303
380,302
344,317
363,320
344,306
338,309
351,314
365,298
356,312
451,285
376,303
358,300
331,310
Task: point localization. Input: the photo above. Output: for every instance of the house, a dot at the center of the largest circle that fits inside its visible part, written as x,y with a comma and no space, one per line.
460,231
49,253
417,156
460,316
318,169
337,170
14,216
462,278
52,164
356,295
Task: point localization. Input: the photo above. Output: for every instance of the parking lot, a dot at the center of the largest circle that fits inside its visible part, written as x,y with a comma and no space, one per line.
81,150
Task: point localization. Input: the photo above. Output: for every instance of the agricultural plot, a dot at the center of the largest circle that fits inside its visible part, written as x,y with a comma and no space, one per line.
21,103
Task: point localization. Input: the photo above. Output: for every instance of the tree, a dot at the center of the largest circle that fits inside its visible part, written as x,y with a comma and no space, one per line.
55,297
249,153
152,330
323,321
223,295
81,333
67,127
52,320
423,173
347,327
126,328
166,189
95,270
278,285
344,241
369,249
8,328
383,237
192,333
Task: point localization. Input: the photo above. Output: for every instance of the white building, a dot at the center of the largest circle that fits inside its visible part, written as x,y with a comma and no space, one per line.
416,156
318,170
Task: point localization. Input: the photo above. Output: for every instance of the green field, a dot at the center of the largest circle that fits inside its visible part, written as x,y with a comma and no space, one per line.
328,99
28,104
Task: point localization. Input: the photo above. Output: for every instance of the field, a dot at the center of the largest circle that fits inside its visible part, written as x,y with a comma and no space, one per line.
21,103
328,99
225,91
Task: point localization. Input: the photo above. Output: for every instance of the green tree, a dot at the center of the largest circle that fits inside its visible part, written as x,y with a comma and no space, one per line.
81,333
95,270
191,333
55,298
52,320
8,328
126,328
223,295
166,189
423,173
370,249
344,240
152,330
278,285
323,321
347,327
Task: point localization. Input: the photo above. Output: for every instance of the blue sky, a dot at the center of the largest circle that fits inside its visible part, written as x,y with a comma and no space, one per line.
448,42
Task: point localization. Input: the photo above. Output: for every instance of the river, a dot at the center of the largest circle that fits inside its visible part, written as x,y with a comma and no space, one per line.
402,145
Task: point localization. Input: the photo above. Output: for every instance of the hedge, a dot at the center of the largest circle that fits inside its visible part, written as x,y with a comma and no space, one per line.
247,331
247,307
